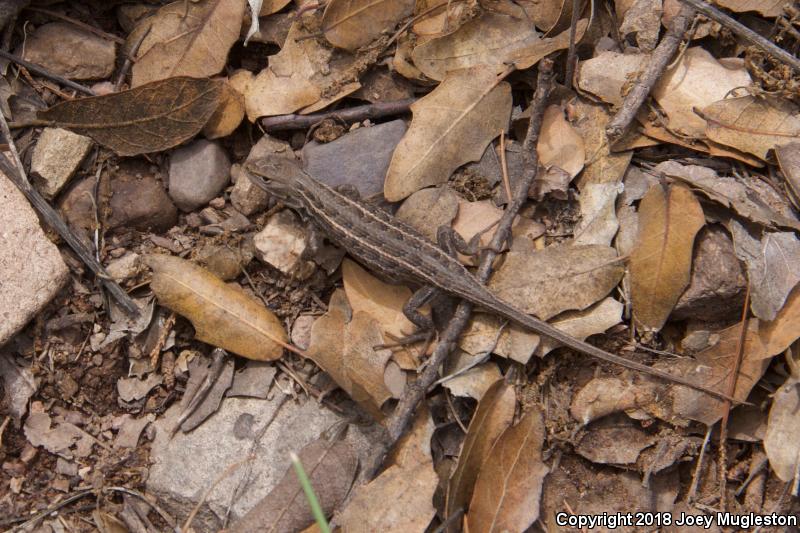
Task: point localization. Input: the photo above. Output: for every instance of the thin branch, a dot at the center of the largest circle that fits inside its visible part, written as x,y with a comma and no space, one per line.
655,68
17,175
351,114
41,71
745,33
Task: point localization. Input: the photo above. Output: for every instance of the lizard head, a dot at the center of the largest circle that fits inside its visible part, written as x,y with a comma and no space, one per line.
276,175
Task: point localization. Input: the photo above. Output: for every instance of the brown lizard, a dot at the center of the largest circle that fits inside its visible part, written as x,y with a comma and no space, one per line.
399,253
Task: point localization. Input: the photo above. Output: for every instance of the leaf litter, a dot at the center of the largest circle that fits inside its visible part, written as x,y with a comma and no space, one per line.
504,440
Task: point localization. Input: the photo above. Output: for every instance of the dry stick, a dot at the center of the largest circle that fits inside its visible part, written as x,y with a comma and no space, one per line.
130,58
655,67
41,71
744,32
571,59
20,179
78,23
403,414
352,114
723,430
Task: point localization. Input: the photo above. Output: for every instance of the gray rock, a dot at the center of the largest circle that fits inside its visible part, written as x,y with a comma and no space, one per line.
56,157
197,174
359,158
717,287
187,465
31,269
247,197
70,51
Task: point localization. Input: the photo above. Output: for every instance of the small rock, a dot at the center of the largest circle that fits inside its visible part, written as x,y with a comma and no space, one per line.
301,331
31,269
71,52
246,196
184,466
197,174
125,267
217,203
225,261
66,468
717,287
360,158
138,200
281,244
56,157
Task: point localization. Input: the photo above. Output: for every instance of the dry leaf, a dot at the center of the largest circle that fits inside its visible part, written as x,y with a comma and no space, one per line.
150,118
780,333
695,82
780,442
429,209
509,486
493,415
514,342
661,263
788,156
222,315
451,126
614,440
559,144
642,19
472,383
754,125
581,324
768,8
400,498
598,224
492,40
330,467
342,344
228,115
268,7
195,45
474,217
773,266
609,73
382,301
728,192
297,77
558,278
351,24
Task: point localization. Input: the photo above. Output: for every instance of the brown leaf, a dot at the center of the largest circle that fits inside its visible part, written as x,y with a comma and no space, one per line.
222,315
451,126
342,344
491,40
493,415
768,8
661,263
788,156
409,484
268,7
559,278
754,125
559,144
581,324
509,486
428,209
193,45
150,118
608,74
781,442
330,467
351,24
228,115
698,80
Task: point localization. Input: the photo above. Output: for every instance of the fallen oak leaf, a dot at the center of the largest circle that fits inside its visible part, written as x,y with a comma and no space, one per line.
351,24
222,315
149,118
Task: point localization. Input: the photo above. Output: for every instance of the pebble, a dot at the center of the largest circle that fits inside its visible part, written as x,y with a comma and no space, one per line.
56,157
125,267
197,174
70,51
31,268
281,244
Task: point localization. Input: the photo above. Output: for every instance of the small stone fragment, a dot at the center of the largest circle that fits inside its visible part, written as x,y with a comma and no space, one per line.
281,244
197,174
125,267
225,261
56,157
138,201
70,51
31,268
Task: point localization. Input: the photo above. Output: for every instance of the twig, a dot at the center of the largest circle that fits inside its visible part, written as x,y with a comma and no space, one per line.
403,414
652,72
698,468
129,59
78,23
41,71
352,114
53,508
726,406
20,179
161,512
744,32
571,60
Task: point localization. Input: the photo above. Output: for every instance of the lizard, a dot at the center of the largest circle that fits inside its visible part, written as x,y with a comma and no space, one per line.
399,253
